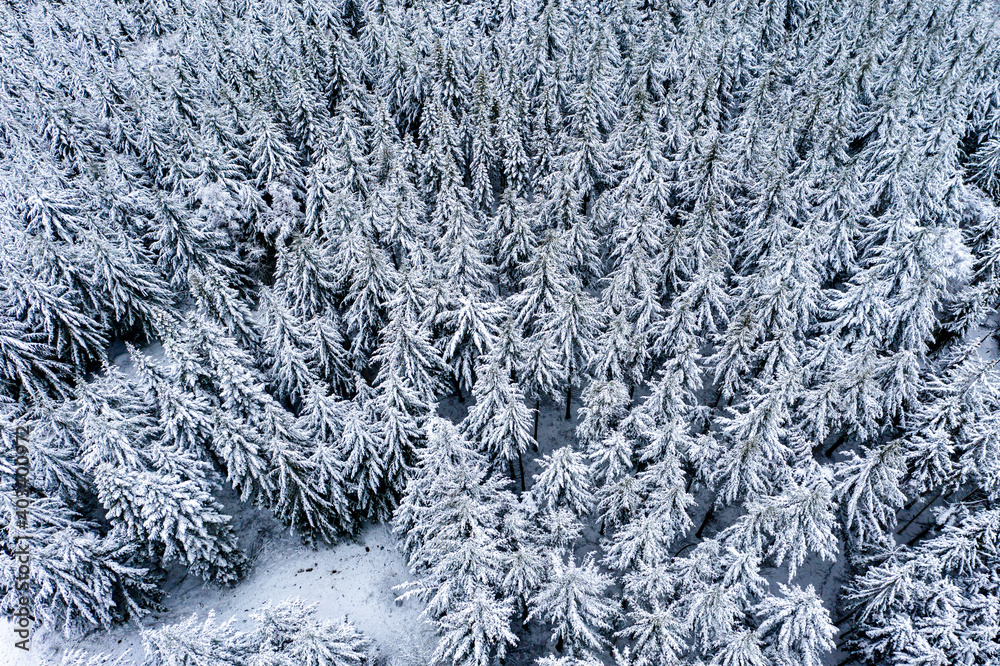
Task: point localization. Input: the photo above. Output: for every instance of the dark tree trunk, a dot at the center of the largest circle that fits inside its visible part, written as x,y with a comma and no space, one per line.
844,636
520,466
919,513
906,478
845,618
909,505
708,517
569,399
836,445
538,403
922,534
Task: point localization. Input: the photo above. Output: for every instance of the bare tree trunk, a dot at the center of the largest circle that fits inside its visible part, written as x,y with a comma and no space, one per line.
845,618
844,636
569,399
923,533
919,513
836,445
931,525
708,516
538,403
909,505
520,466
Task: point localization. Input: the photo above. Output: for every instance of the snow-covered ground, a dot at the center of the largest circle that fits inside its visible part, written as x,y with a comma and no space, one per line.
353,579
356,578
12,655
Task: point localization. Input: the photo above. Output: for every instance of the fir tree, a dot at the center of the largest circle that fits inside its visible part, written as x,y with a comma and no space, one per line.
289,631
796,626
604,404
657,635
286,346
191,641
573,327
362,446
476,632
372,283
572,601
459,516
773,223
499,420
329,355
174,517
564,480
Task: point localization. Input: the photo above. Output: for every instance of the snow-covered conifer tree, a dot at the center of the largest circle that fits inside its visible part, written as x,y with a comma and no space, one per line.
476,632
565,480
329,356
604,404
372,283
573,327
541,373
572,601
796,626
658,635
472,326
459,518
184,417
773,226
304,276
176,518
546,279
499,420
513,236
361,441
286,348
194,641
289,631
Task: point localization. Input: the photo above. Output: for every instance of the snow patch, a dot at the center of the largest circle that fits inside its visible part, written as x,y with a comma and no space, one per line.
13,656
352,579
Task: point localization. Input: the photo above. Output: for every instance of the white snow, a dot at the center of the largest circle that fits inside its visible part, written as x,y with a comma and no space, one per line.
352,579
356,578
12,656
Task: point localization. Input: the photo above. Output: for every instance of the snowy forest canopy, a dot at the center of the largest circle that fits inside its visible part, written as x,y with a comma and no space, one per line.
751,248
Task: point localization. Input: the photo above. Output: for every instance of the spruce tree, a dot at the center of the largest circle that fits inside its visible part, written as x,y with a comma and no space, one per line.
572,601
499,420
565,481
